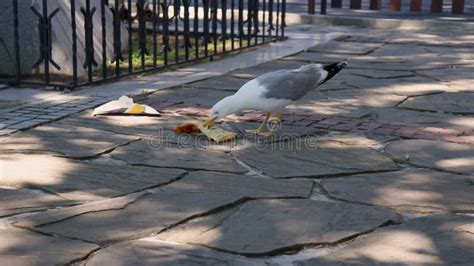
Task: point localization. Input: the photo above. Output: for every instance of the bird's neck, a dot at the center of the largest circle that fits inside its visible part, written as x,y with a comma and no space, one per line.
232,105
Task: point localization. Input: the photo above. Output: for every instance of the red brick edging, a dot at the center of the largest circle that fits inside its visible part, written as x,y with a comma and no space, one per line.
341,123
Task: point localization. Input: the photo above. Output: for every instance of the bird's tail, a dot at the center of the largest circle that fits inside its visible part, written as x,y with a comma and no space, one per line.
333,69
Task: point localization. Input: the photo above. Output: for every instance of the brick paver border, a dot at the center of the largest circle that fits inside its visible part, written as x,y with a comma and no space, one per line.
349,124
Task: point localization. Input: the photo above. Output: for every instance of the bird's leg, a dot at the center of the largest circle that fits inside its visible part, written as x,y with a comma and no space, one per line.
261,128
272,129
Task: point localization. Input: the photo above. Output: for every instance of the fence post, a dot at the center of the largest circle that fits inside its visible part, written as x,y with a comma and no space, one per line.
336,3
311,7
394,5
355,4
436,6
17,41
458,7
74,42
104,40
375,4
283,18
324,5
415,5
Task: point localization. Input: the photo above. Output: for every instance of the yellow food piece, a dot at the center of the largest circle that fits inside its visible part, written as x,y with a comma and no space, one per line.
135,109
216,134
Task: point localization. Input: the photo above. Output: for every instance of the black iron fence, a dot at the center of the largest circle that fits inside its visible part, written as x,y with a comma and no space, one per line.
435,6
82,42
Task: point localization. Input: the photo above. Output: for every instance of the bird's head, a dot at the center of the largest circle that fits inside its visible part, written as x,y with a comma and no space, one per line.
220,110
333,69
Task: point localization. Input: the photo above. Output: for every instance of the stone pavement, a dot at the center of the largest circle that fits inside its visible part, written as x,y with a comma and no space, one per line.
375,168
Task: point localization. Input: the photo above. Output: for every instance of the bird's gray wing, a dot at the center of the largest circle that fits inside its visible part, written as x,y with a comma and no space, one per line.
290,84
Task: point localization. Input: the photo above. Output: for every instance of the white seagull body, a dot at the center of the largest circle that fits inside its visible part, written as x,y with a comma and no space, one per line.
273,91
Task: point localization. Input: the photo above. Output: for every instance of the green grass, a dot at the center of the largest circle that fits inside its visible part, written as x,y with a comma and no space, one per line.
136,57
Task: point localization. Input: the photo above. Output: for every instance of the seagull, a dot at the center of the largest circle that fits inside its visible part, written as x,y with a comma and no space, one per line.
273,91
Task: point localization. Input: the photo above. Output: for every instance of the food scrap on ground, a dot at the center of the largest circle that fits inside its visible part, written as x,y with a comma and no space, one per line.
124,105
215,133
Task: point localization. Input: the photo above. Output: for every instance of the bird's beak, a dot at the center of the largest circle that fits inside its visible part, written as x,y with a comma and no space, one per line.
210,122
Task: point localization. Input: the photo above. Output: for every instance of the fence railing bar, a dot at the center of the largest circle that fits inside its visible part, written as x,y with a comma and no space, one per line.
166,45
104,40
89,62
155,34
241,23
118,9
283,18
74,42
277,26
206,37
187,38
224,24
176,8
264,7
270,18
249,21
232,22
130,40
16,38
256,20
142,7
147,24
214,25
196,29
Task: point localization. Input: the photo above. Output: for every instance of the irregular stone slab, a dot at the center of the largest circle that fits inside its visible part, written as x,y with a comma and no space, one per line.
14,201
332,107
358,97
223,82
7,104
70,141
80,180
457,52
310,157
405,116
264,227
186,97
432,240
124,217
357,139
55,215
143,126
151,251
411,187
380,74
154,129
254,71
22,247
451,102
399,52
447,156
248,186
323,58
450,74
281,132
335,47
409,86
150,214
163,154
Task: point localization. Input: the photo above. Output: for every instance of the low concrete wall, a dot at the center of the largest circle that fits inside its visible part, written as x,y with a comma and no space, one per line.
61,36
